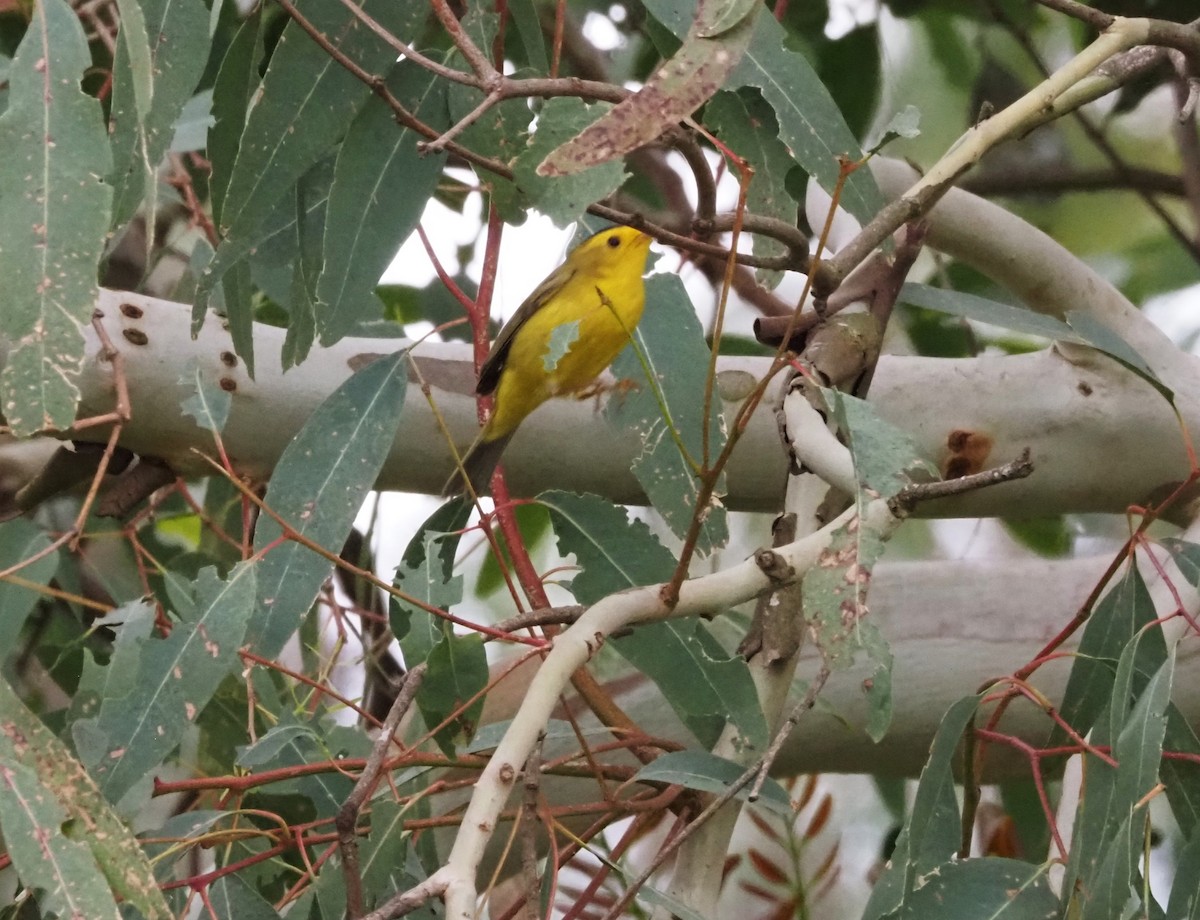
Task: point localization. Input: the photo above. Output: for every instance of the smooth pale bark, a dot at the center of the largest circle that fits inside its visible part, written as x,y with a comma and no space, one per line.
1100,437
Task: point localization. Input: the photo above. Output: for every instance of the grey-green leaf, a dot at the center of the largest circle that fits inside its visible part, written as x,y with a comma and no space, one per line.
161,52
671,341
209,404
174,679
45,857
26,742
56,208
563,198
287,132
318,486
710,773
381,184
21,539
711,49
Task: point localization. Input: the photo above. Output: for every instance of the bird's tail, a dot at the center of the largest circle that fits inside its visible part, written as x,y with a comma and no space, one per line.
478,463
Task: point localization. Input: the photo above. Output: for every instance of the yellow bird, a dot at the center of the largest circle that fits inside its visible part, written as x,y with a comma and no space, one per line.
560,339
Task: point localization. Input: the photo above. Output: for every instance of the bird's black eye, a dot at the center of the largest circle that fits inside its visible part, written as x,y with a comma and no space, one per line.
613,241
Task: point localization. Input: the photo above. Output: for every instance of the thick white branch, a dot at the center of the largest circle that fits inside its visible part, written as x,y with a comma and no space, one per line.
572,649
1101,438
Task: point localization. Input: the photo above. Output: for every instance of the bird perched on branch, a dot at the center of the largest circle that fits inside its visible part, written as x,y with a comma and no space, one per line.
560,339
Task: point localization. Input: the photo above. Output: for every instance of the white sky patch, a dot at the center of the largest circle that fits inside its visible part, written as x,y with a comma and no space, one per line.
600,31
847,15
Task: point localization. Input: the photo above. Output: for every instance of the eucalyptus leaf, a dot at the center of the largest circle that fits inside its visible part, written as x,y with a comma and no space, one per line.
56,153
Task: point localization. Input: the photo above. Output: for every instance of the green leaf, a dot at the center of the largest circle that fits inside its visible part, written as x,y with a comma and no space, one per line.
144,712
288,132
904,124
1119,616
1099,336
236,82
671,341
1182,777
458,670
705,685
387,864
234,899
711,50
311,205
418,630
999,889
747,125
380,187
884,455
534,524
1051,537
426,573
613,552
43,854
267,748
710,773
1186,556
877,687
56,208
809,121
932,833
702,683
670,905
850,69
524,15
134,43
983,310
26,744
190,131
835,591
21,539
1185,888
318,486
1108,829
158,62
209,405
564,198
502,130
934,828
561,339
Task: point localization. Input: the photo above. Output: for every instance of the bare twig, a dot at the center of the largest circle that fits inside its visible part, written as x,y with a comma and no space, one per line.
911,496
346,820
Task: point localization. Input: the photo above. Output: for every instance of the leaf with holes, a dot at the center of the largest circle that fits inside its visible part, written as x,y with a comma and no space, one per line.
56,154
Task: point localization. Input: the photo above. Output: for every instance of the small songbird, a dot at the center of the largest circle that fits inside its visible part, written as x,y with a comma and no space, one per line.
560,339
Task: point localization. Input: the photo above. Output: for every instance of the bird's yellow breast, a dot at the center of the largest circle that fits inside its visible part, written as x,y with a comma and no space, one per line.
566,344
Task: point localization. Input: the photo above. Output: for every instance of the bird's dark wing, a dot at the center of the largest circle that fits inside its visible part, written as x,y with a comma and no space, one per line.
489,374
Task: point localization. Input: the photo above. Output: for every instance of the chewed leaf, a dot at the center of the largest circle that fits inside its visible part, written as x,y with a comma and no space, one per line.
904,124
666,409
810,122
705,685
55,152
884,456
564,198
674,91
561,340
458,671
209,404
613,552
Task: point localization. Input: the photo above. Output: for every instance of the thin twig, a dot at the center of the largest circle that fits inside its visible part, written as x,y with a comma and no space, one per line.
911,496
346,820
